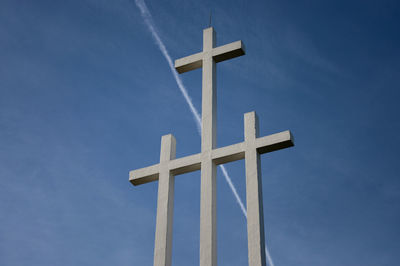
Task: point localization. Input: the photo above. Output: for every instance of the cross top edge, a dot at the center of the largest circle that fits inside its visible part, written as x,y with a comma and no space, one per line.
218,53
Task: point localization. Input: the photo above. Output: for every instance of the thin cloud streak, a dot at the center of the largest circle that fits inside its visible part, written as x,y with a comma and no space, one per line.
151,27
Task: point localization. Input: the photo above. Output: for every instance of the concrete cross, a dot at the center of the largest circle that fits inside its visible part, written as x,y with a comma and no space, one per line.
206,161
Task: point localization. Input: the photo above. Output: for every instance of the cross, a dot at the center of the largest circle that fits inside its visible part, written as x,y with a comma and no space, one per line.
207,160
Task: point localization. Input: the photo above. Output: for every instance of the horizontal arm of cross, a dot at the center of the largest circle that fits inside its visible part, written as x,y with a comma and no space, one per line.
228,51
188,63
220,156
265,144
178,166
219,54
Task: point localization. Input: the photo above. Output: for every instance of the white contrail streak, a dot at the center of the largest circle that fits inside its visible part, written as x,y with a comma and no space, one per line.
151,27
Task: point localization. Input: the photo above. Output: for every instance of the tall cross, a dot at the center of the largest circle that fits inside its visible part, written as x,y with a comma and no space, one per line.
206,161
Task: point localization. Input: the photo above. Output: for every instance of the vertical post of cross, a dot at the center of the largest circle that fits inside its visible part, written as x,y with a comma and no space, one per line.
254,198
250,149
208,208
165,203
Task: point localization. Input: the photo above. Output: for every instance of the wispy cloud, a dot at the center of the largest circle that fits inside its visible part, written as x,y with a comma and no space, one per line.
152,28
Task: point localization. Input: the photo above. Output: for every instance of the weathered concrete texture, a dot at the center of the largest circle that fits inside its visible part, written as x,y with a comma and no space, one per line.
208,191
165,204
254,199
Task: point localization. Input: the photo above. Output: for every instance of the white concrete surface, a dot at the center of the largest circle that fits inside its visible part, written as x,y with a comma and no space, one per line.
254,199
165,204
221,155
206,161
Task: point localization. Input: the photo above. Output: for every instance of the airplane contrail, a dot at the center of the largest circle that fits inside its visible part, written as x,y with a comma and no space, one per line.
146,15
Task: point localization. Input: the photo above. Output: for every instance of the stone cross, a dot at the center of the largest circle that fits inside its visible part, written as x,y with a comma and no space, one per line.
206,161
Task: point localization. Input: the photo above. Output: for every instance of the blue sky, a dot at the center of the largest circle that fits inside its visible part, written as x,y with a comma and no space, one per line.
85,96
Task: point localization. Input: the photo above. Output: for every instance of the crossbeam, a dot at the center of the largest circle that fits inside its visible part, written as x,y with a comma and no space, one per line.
169,167
222,155
219,54
207,160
